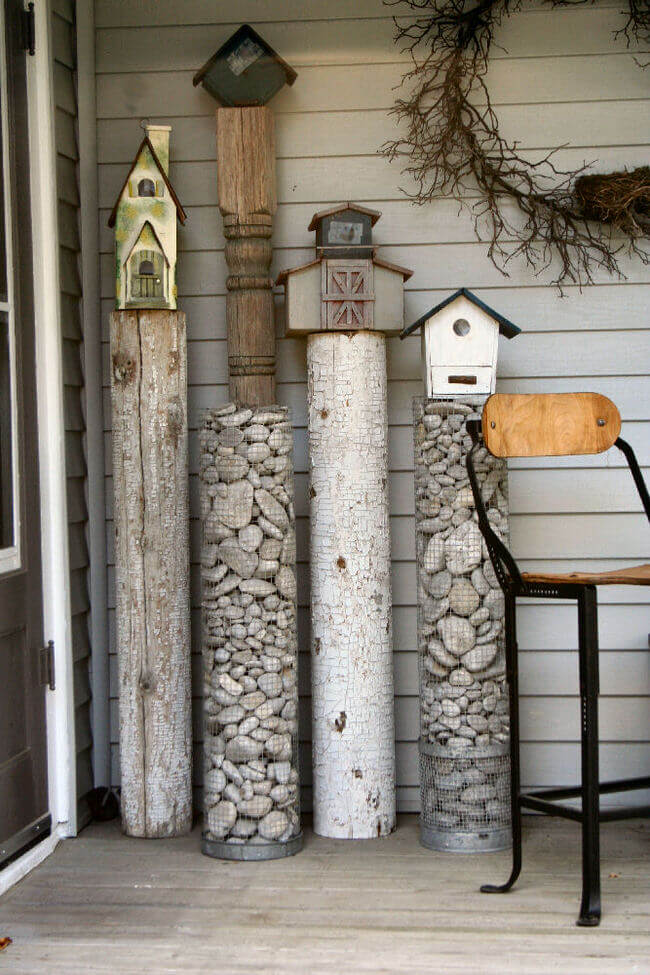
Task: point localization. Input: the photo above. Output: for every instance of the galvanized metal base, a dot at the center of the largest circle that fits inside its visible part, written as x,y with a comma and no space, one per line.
453,841
251,851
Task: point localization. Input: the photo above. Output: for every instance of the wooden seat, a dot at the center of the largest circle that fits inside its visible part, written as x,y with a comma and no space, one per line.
636,575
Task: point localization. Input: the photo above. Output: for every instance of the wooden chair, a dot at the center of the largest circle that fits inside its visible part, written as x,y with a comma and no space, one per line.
558,425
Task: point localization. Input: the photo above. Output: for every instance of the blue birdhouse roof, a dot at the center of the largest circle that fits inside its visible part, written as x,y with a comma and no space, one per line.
506,327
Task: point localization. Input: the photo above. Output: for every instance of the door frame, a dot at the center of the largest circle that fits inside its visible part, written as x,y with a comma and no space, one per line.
51,451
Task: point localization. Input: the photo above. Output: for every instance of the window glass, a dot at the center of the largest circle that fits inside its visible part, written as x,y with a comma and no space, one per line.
3,230
6,451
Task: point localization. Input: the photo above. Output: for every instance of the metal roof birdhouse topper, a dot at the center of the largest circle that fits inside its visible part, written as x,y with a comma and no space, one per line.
459,345
245,71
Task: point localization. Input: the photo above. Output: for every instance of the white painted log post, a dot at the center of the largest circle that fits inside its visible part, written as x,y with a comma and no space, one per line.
353,736
149,393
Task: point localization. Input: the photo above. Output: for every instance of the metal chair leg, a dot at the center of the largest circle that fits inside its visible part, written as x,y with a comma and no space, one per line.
588,643
512,673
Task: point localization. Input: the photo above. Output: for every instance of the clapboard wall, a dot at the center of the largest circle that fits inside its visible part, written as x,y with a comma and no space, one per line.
67,187
560,76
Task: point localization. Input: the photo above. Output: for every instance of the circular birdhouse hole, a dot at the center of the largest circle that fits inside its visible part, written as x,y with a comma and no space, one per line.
461,326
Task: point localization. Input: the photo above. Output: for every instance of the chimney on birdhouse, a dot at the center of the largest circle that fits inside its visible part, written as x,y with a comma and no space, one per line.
158,136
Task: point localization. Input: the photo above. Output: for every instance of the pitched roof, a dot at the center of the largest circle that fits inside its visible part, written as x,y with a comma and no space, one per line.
283,275
373,214
179,209
506,327
151,227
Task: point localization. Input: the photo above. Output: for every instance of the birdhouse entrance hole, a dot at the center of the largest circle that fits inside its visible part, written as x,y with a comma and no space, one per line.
461,326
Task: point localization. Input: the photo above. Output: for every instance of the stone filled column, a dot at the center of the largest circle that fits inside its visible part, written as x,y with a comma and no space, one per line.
352,667
250,652
464,718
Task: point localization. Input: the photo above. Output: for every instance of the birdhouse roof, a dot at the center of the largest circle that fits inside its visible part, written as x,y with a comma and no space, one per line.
179,209
243,32
506,327
283,275
373,214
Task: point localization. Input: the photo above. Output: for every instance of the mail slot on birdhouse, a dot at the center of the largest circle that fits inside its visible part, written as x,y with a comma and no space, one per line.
460,338
347,288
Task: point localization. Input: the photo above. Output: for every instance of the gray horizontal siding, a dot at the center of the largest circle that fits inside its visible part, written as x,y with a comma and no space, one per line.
555,77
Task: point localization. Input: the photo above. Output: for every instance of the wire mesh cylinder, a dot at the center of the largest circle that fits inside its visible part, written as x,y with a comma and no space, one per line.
464,718
249,635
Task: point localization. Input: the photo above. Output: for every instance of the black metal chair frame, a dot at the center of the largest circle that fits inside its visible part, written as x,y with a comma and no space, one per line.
546,800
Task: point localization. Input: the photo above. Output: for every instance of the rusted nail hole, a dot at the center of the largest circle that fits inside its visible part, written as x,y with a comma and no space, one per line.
341,722
312,492
317,645
324,414
358,774
341,562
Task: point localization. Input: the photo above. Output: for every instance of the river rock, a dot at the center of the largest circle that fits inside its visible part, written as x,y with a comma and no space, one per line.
463,548
273,825
463,597
458,635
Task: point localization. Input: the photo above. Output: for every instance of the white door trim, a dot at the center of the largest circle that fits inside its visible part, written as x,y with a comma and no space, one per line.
51,428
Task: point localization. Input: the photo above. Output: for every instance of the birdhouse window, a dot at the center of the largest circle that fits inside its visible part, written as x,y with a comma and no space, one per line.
461,326
147,276
146,187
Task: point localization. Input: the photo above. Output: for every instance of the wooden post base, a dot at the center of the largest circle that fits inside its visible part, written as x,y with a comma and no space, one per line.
149,394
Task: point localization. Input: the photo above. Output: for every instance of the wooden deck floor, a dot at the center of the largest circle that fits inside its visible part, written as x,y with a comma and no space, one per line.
104,903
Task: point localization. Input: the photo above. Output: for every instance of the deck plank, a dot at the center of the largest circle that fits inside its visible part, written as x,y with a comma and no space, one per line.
105,903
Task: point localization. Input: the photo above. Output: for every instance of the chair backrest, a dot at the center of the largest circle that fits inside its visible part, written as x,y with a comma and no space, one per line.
549,424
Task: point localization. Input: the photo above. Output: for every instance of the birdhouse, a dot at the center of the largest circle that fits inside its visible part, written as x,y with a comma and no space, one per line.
244,71
347,288
459,345
144,218
344,231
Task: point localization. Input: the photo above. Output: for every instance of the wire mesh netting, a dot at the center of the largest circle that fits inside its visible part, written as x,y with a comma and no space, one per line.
464,720
251,787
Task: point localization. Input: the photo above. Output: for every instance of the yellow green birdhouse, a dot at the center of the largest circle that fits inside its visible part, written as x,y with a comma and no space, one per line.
144,218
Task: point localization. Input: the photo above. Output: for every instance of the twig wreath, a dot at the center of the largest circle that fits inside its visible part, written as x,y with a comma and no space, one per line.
453,145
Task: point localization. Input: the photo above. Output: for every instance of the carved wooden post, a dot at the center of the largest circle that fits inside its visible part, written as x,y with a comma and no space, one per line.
246,188
149,380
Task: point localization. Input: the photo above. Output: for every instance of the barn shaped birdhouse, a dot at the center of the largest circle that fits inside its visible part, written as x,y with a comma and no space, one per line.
347,288
144,218
460,339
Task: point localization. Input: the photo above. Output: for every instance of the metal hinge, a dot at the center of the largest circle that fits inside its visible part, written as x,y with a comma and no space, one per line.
29,30
47,665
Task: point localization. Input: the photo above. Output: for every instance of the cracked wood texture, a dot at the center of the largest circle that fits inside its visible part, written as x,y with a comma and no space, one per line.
247,201
149,394
352,664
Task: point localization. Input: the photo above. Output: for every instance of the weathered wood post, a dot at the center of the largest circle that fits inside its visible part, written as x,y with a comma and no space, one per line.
247,201
347,301
151,517
250,644
152,570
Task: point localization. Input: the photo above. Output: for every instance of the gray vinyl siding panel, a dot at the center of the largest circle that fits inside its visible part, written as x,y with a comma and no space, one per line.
556,76
63,46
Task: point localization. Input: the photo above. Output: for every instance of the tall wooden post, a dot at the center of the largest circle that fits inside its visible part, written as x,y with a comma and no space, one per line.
250,643
149,383
247,200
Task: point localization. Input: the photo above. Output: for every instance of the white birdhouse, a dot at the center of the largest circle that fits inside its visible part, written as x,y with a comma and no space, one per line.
460,338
